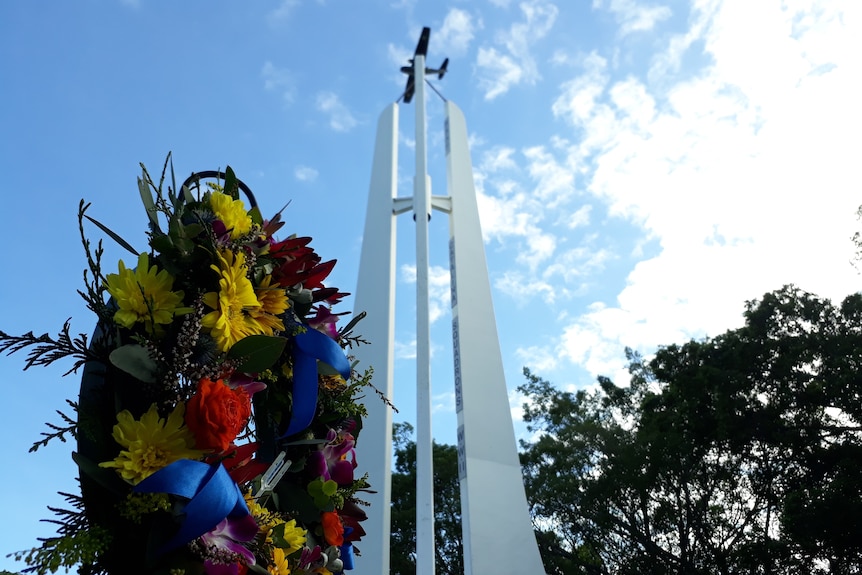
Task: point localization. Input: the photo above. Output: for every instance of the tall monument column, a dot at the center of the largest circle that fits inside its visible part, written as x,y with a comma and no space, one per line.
497,529
375,294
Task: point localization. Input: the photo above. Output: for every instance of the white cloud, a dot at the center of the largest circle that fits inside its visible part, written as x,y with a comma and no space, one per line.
577,263
405,350
555,182
514,215
580,218
526,290
398,55
284,9
455,35
500,70
497,159
744,179
538,358
439,293
340,118
443,402
634,16
278,80
305,173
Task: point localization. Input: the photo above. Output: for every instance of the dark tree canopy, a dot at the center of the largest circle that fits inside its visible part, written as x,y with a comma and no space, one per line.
736,454
449,554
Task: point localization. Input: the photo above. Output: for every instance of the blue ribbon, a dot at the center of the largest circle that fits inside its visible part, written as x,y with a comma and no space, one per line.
212,493
347,550
310,346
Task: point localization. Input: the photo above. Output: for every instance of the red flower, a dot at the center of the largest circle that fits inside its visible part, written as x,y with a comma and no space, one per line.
216,414
333,529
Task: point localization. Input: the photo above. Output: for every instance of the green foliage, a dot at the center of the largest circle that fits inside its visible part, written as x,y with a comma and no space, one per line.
80,547
257,352
449,553
735,454
322,492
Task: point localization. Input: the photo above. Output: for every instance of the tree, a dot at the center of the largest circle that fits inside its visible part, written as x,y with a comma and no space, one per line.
736,454
449,553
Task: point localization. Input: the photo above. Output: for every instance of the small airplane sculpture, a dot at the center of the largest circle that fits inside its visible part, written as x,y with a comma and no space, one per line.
421,50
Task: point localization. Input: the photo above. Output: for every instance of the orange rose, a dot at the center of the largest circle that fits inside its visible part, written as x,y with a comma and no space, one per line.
333,529
216,414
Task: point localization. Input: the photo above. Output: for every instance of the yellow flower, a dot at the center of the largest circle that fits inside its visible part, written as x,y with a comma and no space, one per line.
232,213
230,320
294,536
151,443
279,564
144,295
273,302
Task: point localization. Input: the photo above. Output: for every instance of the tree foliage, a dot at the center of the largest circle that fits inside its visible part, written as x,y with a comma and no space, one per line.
736,454
449,554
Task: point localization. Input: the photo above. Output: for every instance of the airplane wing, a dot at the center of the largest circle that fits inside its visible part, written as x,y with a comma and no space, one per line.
409,89
421,50
422,46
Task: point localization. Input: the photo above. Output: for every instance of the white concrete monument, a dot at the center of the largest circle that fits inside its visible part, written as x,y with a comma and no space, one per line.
497,530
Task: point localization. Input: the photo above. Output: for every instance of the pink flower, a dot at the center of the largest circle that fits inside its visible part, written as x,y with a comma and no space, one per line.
225,542
337,460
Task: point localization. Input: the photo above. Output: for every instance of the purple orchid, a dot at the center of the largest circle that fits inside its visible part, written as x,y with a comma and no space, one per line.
337,460
225,543
312,558
246,382
324,321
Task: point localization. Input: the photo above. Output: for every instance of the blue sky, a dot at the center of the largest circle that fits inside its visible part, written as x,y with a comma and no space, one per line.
643,167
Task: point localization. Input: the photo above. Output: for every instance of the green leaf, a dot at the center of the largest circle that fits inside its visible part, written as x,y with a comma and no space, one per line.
105,477
136,361
257,352
114,236
329,487
256,216
231,186
149,204
277,533
162,244
324,368
306,442
187,194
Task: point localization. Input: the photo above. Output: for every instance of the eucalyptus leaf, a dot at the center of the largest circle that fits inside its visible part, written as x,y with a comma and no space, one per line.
136,361
257,352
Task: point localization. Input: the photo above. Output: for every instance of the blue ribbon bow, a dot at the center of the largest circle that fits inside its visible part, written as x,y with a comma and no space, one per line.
212,493
311,345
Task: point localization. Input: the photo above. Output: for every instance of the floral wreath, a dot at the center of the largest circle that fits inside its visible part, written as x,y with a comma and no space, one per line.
218,410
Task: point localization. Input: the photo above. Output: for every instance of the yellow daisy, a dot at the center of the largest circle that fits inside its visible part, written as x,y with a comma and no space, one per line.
232,213
294,536
279,564
150,443
273,302
144,295
230,320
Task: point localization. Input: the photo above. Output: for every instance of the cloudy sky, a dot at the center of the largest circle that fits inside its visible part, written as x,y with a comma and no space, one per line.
643,167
